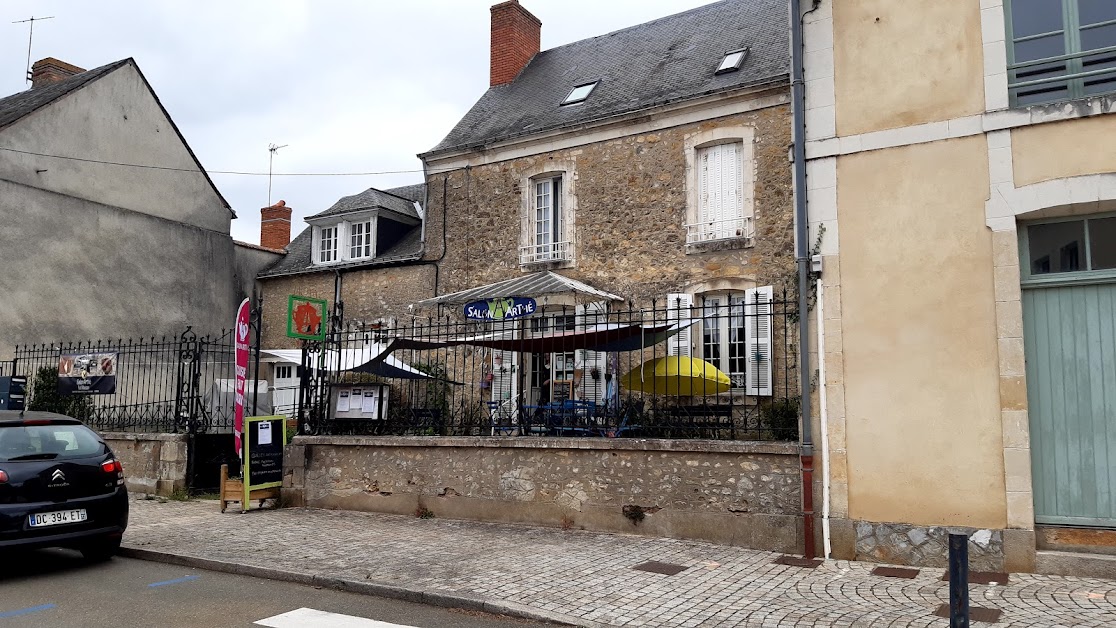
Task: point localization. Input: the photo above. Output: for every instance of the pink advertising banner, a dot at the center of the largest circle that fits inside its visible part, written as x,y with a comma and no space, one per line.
240,334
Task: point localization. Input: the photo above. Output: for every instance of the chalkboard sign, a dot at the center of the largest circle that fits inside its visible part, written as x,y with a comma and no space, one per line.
563,390
264,439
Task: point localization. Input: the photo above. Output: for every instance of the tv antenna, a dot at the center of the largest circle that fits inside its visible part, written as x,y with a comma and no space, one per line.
30,35
271,148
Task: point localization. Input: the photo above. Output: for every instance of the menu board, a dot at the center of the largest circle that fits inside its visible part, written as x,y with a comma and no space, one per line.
562,390
265,437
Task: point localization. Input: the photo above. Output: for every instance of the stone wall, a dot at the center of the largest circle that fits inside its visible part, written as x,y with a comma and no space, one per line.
921,546
630,208
153,463
373,295
738,493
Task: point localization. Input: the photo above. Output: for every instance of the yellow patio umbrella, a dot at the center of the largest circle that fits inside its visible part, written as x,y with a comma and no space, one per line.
677,375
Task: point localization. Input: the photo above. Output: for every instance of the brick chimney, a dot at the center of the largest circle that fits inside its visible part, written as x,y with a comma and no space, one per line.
275,226
515,40
50,70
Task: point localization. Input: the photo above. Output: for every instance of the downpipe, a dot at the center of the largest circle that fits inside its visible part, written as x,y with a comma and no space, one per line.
802,255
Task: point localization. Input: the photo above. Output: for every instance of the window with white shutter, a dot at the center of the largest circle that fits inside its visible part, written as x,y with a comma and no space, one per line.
757,340
720,193
327,244
678,311
546,223
360,240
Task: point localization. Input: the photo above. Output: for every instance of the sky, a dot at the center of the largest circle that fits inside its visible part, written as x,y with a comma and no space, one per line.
346,86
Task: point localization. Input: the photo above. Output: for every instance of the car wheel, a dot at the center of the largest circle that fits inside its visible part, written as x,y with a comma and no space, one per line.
100,550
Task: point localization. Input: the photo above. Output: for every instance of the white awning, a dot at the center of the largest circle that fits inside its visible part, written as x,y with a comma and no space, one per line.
369,358
530,285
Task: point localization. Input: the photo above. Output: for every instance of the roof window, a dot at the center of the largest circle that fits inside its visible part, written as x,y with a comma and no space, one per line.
580,93
732,61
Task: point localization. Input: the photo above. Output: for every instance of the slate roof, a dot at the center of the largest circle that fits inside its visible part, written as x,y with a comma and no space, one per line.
660,62
18,105
373,198
298,258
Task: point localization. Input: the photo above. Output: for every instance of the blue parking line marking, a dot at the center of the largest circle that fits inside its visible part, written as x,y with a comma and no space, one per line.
175,581
25,611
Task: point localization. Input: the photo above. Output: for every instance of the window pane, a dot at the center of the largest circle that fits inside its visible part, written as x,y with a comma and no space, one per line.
1034,95
1098,37
1093,11
1041,48
1031,17
1057,247
1102,243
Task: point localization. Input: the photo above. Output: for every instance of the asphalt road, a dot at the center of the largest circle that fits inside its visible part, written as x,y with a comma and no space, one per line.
57,589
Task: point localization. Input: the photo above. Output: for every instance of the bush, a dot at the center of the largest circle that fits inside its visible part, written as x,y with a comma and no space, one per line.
46,398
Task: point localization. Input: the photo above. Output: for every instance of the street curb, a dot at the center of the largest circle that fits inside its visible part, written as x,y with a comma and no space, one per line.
431,598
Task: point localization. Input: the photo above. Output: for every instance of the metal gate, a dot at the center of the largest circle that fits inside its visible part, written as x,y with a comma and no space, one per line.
1070,340
172,384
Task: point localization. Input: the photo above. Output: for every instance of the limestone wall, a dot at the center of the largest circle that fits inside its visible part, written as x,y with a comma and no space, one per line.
153,463
738,493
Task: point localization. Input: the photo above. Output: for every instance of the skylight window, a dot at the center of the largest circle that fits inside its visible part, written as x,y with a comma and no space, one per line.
580,93
732,61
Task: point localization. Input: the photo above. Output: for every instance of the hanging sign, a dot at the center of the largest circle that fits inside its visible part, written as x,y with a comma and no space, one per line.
500,309
87,374
306,318
240,335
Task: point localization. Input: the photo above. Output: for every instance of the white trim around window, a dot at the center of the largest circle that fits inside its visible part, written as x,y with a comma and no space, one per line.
547,216
344,241
720,184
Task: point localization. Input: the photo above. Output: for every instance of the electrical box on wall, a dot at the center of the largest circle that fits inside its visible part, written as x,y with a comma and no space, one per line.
361,401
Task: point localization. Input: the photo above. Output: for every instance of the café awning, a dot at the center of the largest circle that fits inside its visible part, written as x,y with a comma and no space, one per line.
532,285
598,337
372,358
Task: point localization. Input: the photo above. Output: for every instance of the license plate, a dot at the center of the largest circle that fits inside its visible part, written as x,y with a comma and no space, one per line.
57,518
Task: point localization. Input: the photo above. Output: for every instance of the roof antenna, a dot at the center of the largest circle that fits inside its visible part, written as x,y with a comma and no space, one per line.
30,35
271,148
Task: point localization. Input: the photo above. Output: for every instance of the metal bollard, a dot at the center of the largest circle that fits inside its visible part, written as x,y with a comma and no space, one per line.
958,581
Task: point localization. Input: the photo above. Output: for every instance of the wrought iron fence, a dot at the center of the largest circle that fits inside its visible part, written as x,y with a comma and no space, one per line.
724,367
179,383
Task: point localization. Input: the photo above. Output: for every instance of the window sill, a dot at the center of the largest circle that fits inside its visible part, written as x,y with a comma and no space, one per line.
531,267
726,244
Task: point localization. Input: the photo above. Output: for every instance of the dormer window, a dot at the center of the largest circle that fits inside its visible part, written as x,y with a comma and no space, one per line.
732,61
580,93
327,247
360,240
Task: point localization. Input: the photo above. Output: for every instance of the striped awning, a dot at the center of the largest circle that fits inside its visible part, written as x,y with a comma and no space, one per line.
532,285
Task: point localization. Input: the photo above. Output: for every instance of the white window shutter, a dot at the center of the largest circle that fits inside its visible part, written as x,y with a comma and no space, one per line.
678,311
505,381
757,340
316,245
588,316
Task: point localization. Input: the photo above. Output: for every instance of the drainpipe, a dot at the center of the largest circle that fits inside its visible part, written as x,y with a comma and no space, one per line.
802,255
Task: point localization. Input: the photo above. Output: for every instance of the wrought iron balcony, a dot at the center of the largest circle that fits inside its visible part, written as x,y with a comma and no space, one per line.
720,230
545,253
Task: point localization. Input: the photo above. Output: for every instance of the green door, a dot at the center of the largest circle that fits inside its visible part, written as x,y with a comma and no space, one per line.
1070,339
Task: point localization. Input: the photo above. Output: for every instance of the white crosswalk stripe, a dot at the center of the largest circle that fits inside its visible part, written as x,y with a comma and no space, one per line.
313,618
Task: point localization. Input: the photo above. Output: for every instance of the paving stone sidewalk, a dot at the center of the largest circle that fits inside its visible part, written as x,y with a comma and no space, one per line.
585,578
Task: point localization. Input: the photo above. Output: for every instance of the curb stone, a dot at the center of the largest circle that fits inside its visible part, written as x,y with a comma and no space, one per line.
396,592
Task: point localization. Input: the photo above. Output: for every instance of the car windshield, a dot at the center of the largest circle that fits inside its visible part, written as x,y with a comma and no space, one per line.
47,442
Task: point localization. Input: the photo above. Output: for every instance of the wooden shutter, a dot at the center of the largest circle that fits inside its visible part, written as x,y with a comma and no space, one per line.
678,310
315,245
757,340
720,190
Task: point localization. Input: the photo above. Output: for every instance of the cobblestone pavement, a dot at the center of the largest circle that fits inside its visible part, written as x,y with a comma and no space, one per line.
587,578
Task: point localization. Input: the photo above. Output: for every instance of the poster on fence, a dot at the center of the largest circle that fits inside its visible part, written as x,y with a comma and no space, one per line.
87,374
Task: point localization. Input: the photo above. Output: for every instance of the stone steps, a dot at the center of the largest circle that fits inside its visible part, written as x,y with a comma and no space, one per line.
1075,564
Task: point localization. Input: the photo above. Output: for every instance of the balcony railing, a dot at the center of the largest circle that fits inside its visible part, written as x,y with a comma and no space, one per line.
720,230
544,253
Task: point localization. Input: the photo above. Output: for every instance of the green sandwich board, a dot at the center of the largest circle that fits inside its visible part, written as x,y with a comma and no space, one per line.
264,440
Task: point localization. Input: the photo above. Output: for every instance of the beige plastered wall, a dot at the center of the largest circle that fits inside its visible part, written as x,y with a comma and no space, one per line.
938,76
920,370
1046,152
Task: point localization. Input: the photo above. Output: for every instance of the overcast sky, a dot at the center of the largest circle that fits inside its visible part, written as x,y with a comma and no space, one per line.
349,86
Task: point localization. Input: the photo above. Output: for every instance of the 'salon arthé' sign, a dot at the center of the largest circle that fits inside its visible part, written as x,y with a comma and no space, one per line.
500,309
